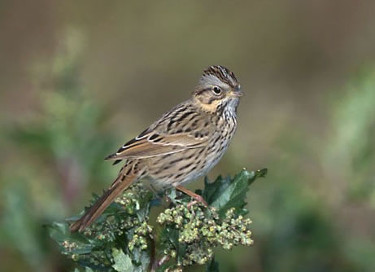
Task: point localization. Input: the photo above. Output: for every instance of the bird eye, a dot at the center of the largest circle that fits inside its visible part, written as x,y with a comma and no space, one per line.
216,90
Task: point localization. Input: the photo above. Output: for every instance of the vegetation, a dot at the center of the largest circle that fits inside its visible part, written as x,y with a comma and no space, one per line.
125,239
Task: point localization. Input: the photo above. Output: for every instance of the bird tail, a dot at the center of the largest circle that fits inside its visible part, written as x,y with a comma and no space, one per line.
119,185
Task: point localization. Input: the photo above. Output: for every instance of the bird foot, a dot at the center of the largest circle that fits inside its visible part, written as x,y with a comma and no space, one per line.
197,198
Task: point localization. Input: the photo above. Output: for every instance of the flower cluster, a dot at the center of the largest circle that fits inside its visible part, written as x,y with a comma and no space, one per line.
124,238
140,237
200,230
125,220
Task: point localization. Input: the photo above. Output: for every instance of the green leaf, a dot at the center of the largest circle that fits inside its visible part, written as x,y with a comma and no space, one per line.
61,234
225,193
123,263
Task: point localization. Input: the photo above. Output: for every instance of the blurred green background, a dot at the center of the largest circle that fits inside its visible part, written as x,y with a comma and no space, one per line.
78,79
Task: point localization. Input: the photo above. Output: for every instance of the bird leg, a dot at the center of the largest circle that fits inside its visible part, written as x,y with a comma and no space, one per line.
195,196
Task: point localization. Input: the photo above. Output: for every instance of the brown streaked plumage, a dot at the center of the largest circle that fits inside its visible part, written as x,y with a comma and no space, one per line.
184,144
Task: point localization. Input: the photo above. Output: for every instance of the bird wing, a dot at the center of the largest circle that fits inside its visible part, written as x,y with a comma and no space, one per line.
179,129
150,144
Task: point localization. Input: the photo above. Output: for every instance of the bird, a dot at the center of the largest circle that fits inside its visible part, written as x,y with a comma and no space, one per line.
181,146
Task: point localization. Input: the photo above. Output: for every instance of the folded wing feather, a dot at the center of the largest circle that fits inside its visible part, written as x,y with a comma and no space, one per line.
156,145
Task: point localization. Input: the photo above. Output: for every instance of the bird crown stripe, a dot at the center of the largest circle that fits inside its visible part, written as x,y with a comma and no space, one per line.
222,73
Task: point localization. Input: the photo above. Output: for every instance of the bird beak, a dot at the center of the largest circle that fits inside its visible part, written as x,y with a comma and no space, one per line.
237,93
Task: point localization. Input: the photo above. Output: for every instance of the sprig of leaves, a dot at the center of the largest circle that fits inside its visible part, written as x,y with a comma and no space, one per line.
186,233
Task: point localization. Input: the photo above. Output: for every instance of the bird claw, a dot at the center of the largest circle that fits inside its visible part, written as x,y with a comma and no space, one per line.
200,199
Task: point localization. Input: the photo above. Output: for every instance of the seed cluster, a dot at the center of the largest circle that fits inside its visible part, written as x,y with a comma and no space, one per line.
188,233
140,237
125,221
200,230
125,218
